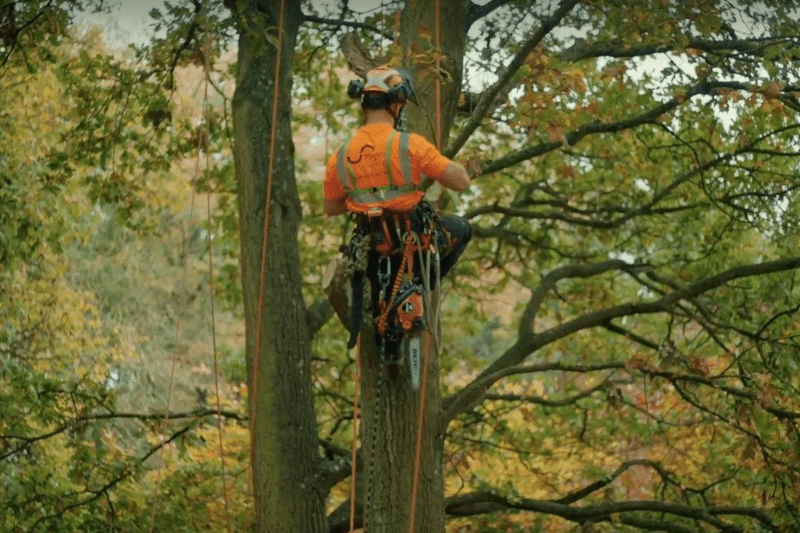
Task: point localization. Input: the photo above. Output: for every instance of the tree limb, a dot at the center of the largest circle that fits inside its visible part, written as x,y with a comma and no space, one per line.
528,343
582,49
357,56
477,12
26,441
549,282
704,87
317,315
596,223
607,480
187,41
98,493
348,24
482,502
473,393
538,400
11,33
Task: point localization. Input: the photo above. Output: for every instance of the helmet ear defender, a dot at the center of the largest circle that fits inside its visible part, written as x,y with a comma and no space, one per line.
398,93
406,87
395,83
355,89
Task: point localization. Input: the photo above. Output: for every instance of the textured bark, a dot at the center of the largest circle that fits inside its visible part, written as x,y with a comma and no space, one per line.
418,34
287,492
388,439
391,406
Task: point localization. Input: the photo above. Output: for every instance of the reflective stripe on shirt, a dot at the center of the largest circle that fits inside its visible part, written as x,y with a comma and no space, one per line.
367,195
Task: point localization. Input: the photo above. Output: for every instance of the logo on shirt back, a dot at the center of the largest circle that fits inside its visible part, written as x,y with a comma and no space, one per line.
371,165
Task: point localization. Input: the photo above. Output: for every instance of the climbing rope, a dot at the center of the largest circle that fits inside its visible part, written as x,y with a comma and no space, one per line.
264,244
203,136
433,316
206,127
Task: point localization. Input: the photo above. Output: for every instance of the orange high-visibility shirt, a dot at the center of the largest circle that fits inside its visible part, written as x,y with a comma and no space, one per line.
367,164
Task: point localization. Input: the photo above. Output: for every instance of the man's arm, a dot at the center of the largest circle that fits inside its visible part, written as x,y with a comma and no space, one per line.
455,177
332,188
335,207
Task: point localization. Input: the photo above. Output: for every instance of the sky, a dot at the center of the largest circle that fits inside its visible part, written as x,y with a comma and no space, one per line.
129,19
128,22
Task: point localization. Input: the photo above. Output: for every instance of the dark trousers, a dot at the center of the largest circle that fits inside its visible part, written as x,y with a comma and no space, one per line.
458,233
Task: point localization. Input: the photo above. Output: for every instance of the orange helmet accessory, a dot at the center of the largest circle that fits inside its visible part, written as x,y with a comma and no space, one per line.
382,79
396,84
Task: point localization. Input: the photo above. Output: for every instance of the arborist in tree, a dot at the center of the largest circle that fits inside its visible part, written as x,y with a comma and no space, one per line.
400,243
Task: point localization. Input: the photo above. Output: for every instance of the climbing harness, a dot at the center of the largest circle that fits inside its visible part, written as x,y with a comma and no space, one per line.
405,252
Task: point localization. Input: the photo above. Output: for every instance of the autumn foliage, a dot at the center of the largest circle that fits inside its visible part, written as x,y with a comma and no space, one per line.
620,343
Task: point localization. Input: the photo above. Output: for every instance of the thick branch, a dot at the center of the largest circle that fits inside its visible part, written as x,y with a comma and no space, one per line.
13,33
338,465
607,480
482,502
98,493
464,400
777,412
586,221
26,441
587,50
538,400
187,42
357,56
348,24
477,12
549,281
528,344
596,127
317,315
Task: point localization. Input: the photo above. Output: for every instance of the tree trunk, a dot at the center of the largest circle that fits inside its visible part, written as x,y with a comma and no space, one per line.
388,439
418,34
284,455
390,407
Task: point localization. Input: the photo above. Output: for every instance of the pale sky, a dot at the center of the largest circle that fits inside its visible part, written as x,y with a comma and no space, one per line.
128,22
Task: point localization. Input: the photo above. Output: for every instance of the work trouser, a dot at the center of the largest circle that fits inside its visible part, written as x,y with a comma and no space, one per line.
457,233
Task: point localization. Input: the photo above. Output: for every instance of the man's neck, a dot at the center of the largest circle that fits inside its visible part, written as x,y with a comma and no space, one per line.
378,116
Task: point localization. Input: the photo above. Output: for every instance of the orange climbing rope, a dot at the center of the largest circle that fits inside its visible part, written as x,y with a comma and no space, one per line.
264,244
355,436
202,134
207,71
433,316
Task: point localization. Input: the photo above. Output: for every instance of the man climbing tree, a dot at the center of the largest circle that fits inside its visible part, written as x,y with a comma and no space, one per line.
378,175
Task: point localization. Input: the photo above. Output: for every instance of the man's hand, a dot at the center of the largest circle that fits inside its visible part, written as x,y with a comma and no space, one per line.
455,177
